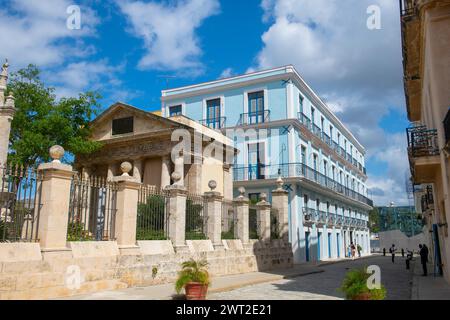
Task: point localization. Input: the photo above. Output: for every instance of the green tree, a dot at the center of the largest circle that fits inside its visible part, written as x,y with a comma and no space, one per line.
374,220
42,120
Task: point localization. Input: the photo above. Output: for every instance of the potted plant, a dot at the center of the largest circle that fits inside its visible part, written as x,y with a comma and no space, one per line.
194,278
355,287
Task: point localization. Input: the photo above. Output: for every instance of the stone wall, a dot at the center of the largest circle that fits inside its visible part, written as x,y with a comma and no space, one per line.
27,272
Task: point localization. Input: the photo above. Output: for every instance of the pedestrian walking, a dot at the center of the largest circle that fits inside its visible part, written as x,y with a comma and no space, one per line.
384,252
353,250
409,257
392,251
403,253
424,258
349,251
359,250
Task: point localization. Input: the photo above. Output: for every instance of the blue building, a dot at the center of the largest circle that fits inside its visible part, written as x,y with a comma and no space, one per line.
281,127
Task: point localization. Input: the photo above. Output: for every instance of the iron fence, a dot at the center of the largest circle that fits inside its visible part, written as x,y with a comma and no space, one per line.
92,209
152,214
20,203
196,218
229,220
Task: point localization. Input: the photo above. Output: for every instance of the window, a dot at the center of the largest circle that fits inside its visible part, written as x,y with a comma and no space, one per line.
339,138
313,115
300,102
317,204
333,171
325,168
256,160
213,113
331,132
322,124
305,200
122,126
254,197
256,107
303,154
175,111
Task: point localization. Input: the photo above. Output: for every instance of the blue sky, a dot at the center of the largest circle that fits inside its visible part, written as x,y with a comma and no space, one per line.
124,48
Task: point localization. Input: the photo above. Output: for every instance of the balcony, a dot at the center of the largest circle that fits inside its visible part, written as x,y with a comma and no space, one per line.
331,219
254,117
310,216
407,7
296,170
423,152
215,123
447,130
304,120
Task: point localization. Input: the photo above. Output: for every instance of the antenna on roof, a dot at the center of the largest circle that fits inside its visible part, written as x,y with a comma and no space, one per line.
167,78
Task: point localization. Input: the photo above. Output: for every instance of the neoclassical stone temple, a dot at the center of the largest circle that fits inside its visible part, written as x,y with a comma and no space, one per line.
145,140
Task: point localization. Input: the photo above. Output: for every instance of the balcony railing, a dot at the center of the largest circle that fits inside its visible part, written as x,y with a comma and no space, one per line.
254,117
422,142
328,140
215,123
447,127
260,172
407,7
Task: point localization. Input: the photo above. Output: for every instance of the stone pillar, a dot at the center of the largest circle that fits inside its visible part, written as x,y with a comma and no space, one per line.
165,172
241,204
195,175
111,170
177,214
55,198
179,169
138,169
126,214
280,202
227,181
263,215
7,111
214,213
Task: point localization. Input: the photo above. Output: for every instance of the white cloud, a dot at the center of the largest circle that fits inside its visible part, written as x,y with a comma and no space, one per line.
357,70
228,72
36,32
168,31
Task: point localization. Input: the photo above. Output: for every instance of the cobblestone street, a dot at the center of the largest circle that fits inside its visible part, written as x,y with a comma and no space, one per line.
319,286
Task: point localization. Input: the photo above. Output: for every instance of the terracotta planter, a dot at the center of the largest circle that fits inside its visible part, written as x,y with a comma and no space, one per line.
362,296
196,291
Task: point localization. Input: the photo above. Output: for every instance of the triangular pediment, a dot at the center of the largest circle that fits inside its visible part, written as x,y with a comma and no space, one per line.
143,122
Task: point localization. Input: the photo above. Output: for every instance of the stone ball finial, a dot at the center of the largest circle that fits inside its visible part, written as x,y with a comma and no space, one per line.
56,153
241,191
263,196
212,184
176,176
126,167
280,183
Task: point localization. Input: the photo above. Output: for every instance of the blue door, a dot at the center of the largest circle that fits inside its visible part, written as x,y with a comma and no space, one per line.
307,245
319,240
338,243
213,114
329,245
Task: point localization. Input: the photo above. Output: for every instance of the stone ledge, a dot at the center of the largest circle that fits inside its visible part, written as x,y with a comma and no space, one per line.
156,247
18,252
94,249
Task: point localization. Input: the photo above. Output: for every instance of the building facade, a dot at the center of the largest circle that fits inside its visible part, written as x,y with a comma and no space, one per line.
282,128
426,60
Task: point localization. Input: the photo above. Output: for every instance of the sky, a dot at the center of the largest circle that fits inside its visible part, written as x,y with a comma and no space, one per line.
130,50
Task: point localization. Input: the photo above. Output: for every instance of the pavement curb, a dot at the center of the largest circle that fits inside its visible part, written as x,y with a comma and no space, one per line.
327,263
265,280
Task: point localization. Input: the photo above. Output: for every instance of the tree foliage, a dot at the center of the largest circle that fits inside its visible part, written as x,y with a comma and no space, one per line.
374,220
42,120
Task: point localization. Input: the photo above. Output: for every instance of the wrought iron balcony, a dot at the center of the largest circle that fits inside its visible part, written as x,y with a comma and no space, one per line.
408,7
326,138
422,142
317,131
331,219
303,118
288,170
254,117
214,123
310,215
447,128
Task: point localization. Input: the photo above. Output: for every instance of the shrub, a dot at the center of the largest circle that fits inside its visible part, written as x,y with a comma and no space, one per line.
355,284
192,271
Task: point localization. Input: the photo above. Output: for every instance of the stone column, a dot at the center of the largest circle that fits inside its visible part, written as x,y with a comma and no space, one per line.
241,204
111,171
179,169
7,111
126,214
214,213
263,215
195,175
227,181
55,198
177,214
165,172
280,202
138,169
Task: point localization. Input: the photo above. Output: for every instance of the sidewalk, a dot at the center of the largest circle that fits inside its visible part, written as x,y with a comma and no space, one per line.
430,287
219,284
